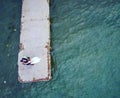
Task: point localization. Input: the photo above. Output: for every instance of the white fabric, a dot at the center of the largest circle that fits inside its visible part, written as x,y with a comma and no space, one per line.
35,60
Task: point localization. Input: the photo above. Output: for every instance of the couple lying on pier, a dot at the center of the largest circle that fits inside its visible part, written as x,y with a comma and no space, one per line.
26,61
29,61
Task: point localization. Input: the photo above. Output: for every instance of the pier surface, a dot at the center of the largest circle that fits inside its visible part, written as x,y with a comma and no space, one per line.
35,41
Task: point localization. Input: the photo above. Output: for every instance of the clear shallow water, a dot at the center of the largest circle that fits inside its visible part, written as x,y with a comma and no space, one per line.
85,56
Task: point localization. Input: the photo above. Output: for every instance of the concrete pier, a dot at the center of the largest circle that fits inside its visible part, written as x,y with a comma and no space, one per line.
35,41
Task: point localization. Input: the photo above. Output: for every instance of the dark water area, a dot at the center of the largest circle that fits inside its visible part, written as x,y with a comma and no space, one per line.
85,40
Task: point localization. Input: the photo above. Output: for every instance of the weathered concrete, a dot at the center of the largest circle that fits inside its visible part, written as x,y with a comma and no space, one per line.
35,41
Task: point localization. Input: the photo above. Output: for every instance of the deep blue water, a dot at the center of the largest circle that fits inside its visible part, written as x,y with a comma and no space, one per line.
85,40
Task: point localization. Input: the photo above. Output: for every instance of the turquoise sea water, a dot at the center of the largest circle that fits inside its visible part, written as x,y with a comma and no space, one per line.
85,40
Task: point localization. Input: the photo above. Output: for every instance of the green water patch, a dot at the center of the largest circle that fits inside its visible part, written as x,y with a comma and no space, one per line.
9,46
